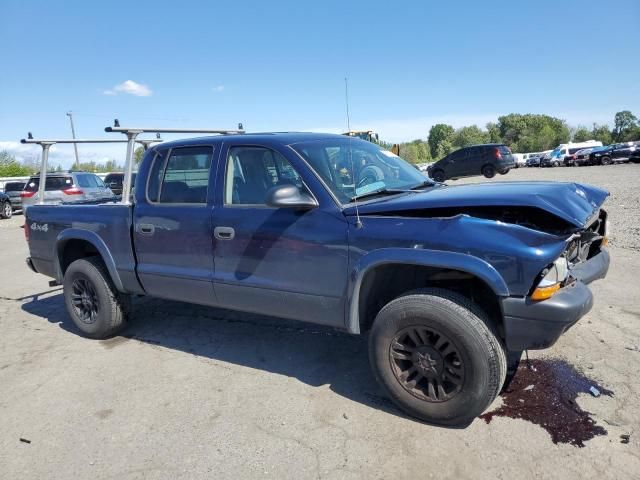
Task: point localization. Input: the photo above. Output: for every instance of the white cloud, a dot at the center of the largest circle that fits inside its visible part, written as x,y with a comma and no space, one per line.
218,88
130,87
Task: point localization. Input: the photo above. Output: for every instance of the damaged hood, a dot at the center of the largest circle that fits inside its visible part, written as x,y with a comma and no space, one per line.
576,203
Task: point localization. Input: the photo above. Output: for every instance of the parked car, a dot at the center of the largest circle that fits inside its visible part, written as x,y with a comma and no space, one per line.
635,155
571,156
484,160
452,283
13,189
533,160
557,155
66,187
6,209
617,152
114,181
581,157
520,159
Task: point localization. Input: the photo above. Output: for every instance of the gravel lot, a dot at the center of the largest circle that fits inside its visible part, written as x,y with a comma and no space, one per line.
189,392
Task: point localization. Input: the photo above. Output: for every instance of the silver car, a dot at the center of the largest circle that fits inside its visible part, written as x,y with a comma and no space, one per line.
66,188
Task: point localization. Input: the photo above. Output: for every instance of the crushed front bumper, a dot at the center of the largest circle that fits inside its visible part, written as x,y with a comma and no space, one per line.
533,325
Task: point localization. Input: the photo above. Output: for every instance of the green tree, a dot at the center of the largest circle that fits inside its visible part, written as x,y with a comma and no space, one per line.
409,151
532,133
472,135
440,140
625,124
138,153
493,133
10,167
581,134
601,133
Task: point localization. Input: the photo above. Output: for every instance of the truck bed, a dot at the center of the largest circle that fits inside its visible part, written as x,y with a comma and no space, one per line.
107,226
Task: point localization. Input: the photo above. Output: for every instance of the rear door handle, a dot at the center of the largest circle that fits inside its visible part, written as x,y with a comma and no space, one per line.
224,233
146,228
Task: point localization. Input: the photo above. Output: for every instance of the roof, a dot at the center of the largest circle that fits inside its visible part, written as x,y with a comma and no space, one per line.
284,138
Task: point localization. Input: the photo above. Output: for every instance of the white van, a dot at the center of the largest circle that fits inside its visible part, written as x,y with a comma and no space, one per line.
556,158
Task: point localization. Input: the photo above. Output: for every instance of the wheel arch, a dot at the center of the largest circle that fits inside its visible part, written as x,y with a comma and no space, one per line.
412,267
73,244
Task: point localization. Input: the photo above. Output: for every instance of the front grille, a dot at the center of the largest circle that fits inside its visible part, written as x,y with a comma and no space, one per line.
586,243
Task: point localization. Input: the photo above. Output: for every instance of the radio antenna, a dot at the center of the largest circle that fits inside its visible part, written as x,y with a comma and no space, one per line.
353,170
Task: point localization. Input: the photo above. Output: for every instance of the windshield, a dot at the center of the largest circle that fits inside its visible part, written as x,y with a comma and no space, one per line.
352,167
556,153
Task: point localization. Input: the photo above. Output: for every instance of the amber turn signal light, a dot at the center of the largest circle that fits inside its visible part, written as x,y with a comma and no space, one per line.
542,293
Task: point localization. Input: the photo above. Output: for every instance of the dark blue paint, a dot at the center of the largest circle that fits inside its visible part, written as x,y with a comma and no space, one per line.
575,203
307,265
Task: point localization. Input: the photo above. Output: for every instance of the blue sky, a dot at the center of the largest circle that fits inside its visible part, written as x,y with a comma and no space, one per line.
280,65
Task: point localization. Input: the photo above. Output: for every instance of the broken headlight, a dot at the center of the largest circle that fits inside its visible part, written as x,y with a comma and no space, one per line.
552,278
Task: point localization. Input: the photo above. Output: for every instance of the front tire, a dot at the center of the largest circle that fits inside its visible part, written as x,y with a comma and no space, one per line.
438,176
605,161
437,356
6,211
94,304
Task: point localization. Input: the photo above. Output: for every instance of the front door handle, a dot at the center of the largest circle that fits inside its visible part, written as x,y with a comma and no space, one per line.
146,228
224,233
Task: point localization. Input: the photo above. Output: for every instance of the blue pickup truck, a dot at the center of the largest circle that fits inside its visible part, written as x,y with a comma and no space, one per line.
451,284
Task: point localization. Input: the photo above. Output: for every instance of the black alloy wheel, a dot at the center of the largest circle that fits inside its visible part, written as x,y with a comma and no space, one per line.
85,300
427,363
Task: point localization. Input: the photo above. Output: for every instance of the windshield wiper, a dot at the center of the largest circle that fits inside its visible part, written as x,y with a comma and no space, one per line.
426,183
381,191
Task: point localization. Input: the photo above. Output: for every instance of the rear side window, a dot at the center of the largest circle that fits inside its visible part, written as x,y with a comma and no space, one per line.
459,155
51,183
182,178
504,150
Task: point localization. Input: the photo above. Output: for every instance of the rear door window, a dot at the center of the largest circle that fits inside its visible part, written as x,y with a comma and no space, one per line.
185,177
51,184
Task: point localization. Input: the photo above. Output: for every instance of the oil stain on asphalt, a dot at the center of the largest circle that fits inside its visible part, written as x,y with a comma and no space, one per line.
544,392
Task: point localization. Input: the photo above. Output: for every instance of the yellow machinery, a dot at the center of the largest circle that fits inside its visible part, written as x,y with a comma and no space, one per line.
370,136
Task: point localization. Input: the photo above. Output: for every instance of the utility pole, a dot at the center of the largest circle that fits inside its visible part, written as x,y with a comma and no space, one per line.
73,135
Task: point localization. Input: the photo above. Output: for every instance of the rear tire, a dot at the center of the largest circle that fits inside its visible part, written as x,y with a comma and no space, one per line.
438,176
488,171
93,303
6,211
437,356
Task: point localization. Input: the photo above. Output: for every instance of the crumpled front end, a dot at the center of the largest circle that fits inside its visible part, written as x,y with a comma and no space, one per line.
539,319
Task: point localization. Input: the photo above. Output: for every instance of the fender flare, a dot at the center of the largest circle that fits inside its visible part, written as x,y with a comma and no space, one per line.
427,258
97,242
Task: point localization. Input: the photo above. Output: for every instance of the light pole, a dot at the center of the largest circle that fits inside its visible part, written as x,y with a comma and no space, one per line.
73,135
